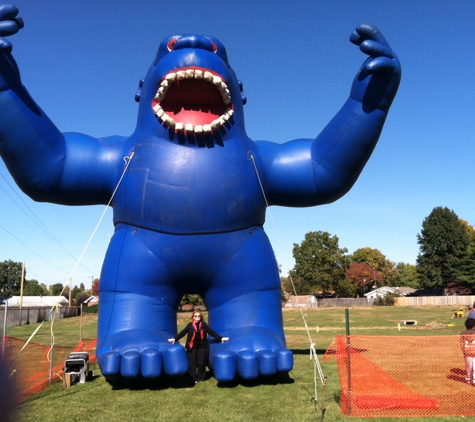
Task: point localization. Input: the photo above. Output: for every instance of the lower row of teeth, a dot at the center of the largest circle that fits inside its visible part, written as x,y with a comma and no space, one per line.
188,127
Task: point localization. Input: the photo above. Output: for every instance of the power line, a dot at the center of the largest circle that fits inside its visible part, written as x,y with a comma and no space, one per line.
37,221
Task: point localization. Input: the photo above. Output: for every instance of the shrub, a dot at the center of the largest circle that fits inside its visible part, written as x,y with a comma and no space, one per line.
387,300
90,309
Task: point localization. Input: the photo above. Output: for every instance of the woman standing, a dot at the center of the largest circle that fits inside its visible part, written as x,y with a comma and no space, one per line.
197,345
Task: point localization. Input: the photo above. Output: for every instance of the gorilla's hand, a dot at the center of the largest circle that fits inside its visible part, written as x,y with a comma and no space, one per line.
376,83
10,24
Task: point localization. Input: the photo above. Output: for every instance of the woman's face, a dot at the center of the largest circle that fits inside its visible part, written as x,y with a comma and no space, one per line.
196,317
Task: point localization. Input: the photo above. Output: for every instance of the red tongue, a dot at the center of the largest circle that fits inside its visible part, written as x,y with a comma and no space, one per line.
195,117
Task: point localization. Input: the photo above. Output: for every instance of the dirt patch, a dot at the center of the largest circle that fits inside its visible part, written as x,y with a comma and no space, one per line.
434,326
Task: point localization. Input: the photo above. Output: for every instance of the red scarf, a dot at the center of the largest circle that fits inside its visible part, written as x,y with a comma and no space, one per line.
202,334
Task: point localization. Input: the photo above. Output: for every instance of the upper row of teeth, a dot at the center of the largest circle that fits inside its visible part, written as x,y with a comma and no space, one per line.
197,74
190,128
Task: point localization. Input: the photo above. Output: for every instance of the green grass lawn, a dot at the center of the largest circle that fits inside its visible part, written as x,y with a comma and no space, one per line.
283,398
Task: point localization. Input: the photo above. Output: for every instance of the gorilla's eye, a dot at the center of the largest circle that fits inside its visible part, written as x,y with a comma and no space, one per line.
215,47
171,44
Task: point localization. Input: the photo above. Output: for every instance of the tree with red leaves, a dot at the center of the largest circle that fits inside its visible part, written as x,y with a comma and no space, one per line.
363,276
95,287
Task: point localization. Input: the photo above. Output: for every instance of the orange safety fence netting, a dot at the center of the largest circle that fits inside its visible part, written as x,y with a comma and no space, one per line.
402,376
31,369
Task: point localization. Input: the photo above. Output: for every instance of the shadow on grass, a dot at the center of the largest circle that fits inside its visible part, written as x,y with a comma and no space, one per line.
277,379
163,383
182,382
307,351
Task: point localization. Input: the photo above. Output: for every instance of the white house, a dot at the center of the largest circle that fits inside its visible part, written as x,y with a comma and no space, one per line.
36,301
92,300
384,290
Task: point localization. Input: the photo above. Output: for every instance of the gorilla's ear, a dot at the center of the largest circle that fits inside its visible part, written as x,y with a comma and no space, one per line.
243,97
139,90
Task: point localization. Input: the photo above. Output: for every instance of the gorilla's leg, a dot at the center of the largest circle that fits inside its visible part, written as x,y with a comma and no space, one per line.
137,311
244,303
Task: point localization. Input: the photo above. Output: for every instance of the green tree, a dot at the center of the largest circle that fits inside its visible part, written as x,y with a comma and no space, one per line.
378,262
408,276
76,291
10,278
319,263
56,289
33,288
443,244
191,299
347,288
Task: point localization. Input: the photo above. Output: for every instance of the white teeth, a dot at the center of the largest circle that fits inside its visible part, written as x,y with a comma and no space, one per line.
188,127
215,124
158,110
160,95
168,120
171,77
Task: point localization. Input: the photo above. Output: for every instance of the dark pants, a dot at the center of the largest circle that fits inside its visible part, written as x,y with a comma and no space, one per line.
197,361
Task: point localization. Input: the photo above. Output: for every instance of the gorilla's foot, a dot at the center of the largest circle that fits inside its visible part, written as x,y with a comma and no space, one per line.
139,354
250,353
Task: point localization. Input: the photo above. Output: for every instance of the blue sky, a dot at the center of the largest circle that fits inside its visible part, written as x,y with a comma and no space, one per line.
82,60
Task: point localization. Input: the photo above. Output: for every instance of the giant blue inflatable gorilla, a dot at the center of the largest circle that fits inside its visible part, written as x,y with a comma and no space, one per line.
190,210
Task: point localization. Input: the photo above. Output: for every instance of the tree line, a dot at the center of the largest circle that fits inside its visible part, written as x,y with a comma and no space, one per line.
446,261
10,285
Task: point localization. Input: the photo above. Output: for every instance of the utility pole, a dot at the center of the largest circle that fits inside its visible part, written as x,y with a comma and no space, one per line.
70,290
22,283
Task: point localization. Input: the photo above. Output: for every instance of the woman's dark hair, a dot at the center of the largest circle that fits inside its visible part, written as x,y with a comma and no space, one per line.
469,323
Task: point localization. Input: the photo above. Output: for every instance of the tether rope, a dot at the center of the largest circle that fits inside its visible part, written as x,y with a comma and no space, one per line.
317,369
127,160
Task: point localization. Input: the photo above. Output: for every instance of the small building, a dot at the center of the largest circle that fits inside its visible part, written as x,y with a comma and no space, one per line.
383,291
91,301
306,301
35,301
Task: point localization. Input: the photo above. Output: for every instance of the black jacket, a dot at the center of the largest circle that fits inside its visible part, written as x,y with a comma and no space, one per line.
189,330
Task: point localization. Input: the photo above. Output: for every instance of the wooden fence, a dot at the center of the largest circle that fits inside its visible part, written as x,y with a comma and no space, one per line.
459,301
32,315
310,302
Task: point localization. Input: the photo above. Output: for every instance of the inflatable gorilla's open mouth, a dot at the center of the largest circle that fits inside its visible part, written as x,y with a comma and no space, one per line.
193,100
